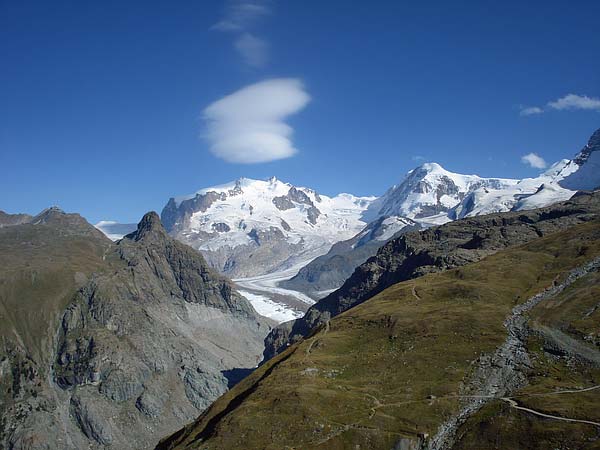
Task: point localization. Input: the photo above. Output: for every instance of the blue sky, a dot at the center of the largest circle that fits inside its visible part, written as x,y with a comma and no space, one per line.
105,106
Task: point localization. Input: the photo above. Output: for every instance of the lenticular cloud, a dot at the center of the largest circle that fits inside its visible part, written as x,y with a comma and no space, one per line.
248,126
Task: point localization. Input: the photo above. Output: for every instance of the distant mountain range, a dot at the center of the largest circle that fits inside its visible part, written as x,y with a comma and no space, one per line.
430,195
250,227
480,333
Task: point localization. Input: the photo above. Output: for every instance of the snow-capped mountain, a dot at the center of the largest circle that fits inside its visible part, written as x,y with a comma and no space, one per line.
583,172
527,193
250,227
270,232
557,184
429,193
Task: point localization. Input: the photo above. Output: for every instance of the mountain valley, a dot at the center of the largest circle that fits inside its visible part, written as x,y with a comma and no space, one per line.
291,246
452,312
427,364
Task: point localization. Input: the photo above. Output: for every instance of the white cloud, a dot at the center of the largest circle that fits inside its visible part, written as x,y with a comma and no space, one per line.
417,158
568,102
241,14
254,50
248,126
534,160
572,101
531,110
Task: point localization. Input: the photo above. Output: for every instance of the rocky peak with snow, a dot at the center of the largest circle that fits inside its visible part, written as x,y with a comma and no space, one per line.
247,227
593,145
583,172
429,192
556,184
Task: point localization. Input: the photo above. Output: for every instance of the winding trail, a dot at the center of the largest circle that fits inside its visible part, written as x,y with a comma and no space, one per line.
513,403
502,373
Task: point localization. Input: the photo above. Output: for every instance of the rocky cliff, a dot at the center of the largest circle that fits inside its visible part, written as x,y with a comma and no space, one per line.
7,220
137,337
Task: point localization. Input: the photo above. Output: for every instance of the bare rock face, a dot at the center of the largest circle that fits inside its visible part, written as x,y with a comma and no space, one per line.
90,420
139,346
295,197
439,248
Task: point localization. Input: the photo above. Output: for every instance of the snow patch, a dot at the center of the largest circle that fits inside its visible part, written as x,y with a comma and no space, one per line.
268,308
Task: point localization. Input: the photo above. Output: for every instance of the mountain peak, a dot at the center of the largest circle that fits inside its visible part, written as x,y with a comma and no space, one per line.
149,226
48,213
593,145
426,169
584,174
431,167
70,223
430,191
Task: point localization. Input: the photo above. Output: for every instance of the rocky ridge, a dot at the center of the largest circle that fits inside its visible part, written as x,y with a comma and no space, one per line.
438,248
7,220
139,345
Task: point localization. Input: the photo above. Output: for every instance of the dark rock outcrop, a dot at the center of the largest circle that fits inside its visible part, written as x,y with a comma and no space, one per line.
294,197
176,216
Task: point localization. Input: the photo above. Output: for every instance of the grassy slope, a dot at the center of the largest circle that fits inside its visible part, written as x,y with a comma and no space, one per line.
392,366
40,263
576,313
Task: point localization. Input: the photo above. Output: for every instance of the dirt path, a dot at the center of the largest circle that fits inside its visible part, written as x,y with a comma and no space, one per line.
513,403
502,373
566,391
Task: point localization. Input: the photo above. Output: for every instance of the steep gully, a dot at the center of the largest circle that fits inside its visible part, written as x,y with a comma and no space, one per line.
501,373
